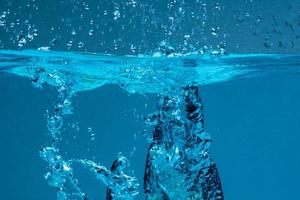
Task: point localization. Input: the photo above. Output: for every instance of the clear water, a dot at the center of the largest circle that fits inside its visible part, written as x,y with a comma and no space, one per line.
149,99
178,162
144,74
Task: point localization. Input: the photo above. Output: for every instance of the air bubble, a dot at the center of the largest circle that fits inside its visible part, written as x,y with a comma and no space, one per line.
213,31
21,42
132,3
187,37
70,44
91,32
80,44
2,18
73,32
217,6
132,48
53,42
117,14
44,48
90,129
92,136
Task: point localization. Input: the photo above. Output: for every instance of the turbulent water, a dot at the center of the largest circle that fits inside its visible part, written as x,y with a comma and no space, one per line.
143,74
178,163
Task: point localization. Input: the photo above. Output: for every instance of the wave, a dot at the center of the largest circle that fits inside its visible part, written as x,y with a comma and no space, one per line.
143,73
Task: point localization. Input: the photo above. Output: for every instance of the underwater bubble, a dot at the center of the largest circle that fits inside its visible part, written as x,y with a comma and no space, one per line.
66,167
12,25
117,14
217,6
90,129
30,37
214,53
53,42
91,32
22,42
132,48
92,136
73,32
55,122
2,18
132,3
213,31
116,46
86,7
187,37
75,126
48,153
46,48
70,44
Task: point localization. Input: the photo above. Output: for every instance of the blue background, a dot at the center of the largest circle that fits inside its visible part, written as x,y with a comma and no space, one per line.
255,123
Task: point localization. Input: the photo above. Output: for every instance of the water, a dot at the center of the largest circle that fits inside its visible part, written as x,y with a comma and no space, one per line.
143,74
178,164
140,99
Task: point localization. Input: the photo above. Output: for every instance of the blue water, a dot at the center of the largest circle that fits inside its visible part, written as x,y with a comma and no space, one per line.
139,99
143,73
251,142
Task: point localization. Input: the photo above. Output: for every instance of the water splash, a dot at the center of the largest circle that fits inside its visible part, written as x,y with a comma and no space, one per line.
178,164
120,185
60,172
157,73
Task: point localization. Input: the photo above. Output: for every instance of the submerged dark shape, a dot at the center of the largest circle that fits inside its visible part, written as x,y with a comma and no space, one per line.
178,164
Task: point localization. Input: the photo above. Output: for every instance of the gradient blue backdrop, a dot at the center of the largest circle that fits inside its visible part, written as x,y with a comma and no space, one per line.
255,123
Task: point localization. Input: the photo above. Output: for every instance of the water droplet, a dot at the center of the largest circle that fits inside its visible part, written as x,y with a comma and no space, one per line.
90,129
117,14
213,31
73,32
70,44
92,136
187,37
80,44
217,6
132,3
29,37
2,18
53,42
44,48
21,42
66,167
91,32
214,53
132,48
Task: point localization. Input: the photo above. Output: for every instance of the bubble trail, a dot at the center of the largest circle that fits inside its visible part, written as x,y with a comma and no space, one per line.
121,185
60,171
